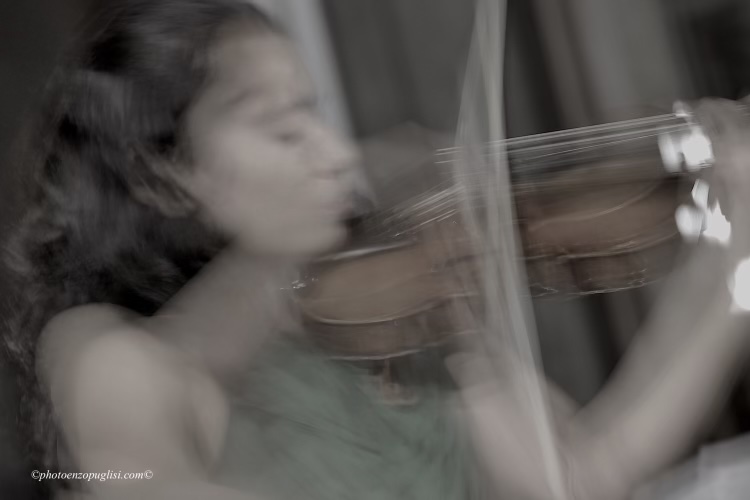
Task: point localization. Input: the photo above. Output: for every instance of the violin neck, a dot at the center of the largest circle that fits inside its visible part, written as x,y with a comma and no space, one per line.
664,139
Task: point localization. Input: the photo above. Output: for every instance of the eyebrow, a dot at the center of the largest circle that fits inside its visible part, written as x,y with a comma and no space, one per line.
309,101
249,94
238,98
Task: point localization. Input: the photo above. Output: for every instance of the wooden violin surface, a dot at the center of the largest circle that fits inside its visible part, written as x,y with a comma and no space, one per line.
594,238
413,279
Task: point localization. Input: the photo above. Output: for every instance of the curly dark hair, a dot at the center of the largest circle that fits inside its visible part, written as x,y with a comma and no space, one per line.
106,224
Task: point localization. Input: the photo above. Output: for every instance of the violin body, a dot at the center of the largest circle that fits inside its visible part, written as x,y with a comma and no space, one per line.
408,279
596,238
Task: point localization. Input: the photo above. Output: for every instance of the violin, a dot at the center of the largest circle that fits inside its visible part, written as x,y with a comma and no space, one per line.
595,212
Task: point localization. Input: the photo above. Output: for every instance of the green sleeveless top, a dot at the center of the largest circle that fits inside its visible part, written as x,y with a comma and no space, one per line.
309,428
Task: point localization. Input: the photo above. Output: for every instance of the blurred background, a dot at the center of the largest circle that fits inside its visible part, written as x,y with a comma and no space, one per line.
389,71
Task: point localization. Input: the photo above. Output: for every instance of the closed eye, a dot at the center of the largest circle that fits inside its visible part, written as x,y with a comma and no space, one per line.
291,137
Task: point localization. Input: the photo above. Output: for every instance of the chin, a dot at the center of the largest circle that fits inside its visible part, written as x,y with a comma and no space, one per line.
325,240
309,243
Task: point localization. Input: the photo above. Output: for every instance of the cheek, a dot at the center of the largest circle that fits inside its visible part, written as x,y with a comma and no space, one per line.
245,155
247,168
265,196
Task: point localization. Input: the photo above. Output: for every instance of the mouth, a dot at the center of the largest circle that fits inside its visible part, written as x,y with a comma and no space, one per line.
361,209
351,207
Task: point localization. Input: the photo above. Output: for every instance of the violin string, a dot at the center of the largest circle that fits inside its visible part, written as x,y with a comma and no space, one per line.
606,129
609,141
635,134
594,129
441,201
573,150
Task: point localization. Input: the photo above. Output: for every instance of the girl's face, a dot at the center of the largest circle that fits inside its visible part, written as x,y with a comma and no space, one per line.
267,170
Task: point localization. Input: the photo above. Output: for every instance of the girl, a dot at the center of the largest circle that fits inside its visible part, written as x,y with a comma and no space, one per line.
181,176
180,137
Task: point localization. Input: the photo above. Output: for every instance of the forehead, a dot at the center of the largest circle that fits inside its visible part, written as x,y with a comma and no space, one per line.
258,69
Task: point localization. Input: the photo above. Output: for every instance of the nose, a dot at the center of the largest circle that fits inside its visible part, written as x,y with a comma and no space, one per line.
339,158
336,155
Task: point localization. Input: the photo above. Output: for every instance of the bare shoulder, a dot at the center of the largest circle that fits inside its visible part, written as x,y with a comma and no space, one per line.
95,359
104,372
86,332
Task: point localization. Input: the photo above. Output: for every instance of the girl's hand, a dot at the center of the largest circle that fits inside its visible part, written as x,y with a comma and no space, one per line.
722,194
